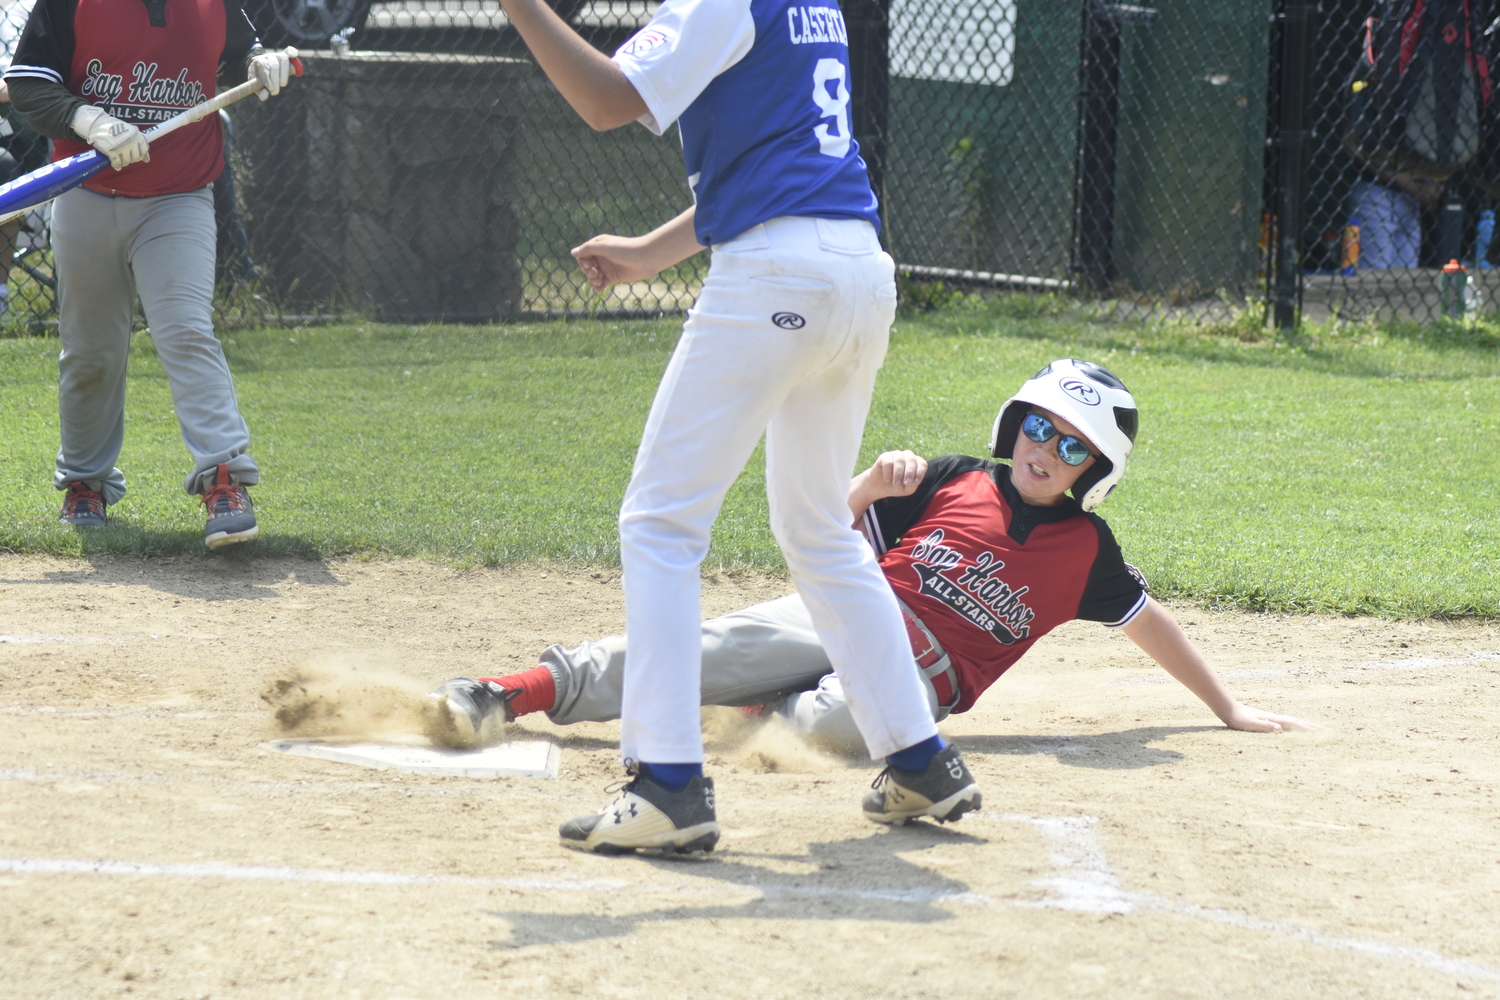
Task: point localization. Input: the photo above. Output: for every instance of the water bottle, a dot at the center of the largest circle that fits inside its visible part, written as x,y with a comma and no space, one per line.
1349,249
1473,301
1483,234
1451,285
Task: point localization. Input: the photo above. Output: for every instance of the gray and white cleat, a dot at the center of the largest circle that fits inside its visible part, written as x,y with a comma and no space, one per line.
650,818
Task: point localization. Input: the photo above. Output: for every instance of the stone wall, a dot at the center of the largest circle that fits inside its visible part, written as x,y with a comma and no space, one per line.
383,182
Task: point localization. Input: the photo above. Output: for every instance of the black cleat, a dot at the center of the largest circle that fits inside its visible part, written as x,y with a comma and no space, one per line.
945,791
466,713
649,817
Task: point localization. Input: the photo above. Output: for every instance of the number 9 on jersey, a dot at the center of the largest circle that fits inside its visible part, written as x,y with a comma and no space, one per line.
834,104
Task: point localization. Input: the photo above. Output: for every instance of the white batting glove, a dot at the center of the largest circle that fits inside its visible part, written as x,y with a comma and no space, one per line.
273,70
120,141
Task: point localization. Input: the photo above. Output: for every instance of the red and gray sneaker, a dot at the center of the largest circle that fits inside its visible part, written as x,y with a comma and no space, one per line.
231,515
83,507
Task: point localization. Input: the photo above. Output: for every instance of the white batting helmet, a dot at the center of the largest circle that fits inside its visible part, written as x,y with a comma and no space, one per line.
1089,397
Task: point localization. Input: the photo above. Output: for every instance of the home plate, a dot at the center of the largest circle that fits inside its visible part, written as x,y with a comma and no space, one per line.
531,759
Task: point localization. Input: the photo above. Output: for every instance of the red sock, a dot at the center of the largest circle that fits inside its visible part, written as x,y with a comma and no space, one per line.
538,690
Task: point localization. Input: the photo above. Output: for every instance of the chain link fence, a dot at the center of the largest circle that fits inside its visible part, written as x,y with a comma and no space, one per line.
1141,158
1379,224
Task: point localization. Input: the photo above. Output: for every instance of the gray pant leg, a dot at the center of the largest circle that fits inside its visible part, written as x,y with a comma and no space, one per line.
823,713
108,250
749,657
96,303
172,255
765,653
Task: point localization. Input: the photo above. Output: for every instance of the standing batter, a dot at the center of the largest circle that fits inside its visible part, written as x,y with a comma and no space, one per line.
91,73
786,339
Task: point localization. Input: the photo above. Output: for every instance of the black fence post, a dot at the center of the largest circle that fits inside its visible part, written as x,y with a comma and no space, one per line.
1296,30
1098,136
1101,105
869,27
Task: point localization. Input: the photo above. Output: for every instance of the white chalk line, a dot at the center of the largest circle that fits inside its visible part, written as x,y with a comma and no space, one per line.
1087,883
90,713
62,638
1411,663
1423,662
64,866
1225,674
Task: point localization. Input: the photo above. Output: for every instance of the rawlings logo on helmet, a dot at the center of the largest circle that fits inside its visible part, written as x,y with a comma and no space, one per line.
1081,391
1091,398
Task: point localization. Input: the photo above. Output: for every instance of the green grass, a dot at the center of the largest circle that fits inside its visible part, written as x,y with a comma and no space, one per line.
1353,469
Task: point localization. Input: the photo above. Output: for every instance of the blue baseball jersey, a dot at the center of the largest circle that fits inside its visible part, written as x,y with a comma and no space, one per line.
760,93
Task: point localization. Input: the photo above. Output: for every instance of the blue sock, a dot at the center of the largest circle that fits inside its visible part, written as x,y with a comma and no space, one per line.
916,756
673,777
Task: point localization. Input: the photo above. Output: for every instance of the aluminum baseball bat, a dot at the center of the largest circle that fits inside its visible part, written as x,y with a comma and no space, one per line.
45,183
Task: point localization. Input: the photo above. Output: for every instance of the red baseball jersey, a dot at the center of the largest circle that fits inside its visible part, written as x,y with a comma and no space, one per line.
142,61
990,574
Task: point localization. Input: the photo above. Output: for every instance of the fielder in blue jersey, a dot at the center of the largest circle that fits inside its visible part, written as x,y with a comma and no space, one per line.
786,339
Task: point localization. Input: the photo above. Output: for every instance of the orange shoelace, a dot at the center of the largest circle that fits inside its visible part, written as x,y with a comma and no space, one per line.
234,495
82,500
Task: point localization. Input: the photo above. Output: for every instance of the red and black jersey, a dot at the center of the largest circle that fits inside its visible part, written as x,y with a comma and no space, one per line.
990,574
142,61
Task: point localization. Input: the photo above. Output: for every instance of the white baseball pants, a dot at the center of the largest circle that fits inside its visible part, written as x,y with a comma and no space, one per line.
786,338
108,250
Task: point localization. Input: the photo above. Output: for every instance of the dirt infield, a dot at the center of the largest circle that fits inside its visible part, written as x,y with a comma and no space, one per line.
1129,846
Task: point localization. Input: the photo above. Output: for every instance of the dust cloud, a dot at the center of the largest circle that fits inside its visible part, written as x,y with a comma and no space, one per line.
346,696
765,745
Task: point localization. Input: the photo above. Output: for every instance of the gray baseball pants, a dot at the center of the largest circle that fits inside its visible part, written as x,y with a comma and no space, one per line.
108,250
765,653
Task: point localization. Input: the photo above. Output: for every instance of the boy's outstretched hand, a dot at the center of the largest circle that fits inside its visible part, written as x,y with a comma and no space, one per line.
1253,720
1162,639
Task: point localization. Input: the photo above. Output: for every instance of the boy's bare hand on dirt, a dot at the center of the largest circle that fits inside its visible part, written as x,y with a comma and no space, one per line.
1253,720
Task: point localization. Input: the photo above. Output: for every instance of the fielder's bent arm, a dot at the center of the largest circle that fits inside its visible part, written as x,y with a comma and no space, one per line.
1162,639
591,83
607,260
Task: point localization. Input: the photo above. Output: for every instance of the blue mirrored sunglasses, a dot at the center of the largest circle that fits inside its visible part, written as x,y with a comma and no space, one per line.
1071,450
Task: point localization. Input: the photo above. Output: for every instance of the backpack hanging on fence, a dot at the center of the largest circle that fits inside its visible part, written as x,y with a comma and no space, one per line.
1417,96
1484,170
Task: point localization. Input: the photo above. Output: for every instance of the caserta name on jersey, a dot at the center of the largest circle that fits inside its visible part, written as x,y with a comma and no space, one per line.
701,63
817,24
